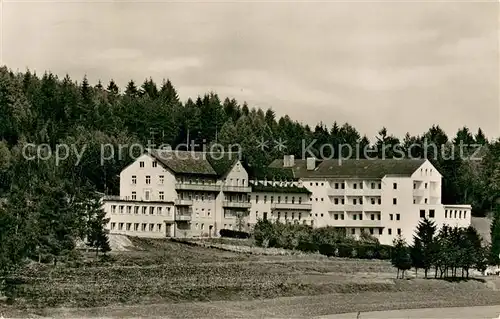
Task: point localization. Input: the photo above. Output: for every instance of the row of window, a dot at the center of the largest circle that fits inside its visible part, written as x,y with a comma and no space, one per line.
354,186
449,214
143,209
271,198
432,213
161,179
153,164
135,227
372,231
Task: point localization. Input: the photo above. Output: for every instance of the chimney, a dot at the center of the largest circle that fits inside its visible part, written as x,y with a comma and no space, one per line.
311,163
288,161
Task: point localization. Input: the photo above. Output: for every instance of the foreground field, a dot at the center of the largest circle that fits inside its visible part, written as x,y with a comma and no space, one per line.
159,278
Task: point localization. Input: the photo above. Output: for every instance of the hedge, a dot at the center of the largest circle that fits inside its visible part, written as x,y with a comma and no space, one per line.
233,233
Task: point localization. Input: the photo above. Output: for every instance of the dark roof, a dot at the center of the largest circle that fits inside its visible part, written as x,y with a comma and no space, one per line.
196,163
260,187
354,168
274,174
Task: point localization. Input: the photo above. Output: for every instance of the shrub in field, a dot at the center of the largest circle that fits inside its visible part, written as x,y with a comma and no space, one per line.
233,233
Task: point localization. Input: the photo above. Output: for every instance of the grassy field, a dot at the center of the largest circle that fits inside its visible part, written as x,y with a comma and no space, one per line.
160,272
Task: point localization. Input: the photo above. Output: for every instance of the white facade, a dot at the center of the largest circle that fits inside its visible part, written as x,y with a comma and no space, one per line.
383,207
191,204
162,198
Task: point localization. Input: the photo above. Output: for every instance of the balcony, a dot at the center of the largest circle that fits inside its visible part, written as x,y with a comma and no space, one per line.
354,192
353,208
372,192
237,189
229,204
183,202
290,206
183,217
198,187
419,192
359,223
336,192
372,207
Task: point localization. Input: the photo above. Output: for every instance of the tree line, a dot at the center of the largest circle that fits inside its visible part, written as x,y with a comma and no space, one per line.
449,251
46,206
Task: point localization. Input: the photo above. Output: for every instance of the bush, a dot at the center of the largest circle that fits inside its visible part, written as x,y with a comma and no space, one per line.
233,233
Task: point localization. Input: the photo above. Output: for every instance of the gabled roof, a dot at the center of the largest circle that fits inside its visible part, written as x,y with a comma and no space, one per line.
354,168
261,188
274,174
196,163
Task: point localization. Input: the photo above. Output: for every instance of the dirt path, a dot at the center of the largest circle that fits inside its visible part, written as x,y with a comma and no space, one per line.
486,312
295,307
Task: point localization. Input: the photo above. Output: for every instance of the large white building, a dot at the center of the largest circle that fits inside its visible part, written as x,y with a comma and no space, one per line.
184,194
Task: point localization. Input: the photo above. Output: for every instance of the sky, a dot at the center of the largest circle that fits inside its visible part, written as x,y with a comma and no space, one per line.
404,65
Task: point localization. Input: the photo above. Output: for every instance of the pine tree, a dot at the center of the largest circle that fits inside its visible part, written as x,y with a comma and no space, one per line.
495,237
424,241
400,257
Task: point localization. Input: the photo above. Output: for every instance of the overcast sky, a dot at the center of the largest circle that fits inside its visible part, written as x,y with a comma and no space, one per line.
405,66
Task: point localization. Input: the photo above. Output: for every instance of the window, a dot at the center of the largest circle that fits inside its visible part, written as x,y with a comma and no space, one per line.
148,179
141,164
113,209
143,227
293,200
372,216
394,201
460,214
354,201
256,198
134,179
159,210
446,213
265,199
389,231
321,214
425,201
422,213
361,185
134,195
155,163
120,226
391,216
129,209
336,216
455,214
146,195
431,213
343,185
161,179
360,216
342,216
380,231
355,186
425,185
399,231
342,201
353,231
398,216
128,226
272,199
158,227
336,185
144,210
373,201
465,214
354,217
336,201
371,231
203,226
414,185
136,226
113,225
161,195
316,184
380,201
151,227
373,185
136,210
395,185
151,210
379,186
361,201
279,199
